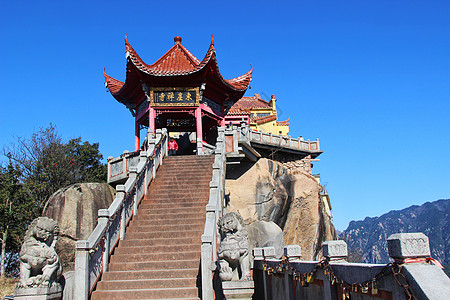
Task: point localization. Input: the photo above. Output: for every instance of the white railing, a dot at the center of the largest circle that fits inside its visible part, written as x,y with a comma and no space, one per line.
214,210
92,255
249,135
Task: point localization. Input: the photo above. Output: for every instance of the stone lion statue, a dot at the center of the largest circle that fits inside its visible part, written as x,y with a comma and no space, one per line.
39,263
233,250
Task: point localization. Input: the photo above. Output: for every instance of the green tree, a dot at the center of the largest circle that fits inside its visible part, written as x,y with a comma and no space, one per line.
38,167
15,213
48,164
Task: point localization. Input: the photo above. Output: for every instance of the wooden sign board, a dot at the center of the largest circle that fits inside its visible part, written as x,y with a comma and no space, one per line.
174,96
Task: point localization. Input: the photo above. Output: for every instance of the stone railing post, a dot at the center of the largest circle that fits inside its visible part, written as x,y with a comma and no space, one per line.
336,252
258,255
132,177
159,137
268,253
206,261
199,146
412,250
103,217
120,192
143,159
293,253
81,285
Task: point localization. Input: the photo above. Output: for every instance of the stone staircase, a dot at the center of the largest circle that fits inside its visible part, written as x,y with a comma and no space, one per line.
160,255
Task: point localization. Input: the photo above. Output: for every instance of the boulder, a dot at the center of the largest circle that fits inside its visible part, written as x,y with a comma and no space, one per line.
75,208
266,234
289,196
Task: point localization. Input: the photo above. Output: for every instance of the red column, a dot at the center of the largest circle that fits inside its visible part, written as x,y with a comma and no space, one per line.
151,120
198,118
137,136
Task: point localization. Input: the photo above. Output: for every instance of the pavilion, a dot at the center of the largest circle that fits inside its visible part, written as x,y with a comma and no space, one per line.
178,92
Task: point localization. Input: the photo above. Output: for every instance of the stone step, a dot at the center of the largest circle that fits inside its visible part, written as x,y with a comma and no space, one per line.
198,172
137,227
160,255
173,210
181,167
142,241
175,200
158,222
177,187
172,197
149,205
158,249
155,256
151,274
154,265
188,159
147,283
165,234
172,216
200,191
164,293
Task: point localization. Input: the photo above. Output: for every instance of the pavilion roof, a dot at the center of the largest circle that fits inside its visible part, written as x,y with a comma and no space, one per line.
244,105
176,66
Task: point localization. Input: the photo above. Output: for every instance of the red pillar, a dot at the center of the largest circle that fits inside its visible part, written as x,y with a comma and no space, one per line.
151,120
137,136
198,118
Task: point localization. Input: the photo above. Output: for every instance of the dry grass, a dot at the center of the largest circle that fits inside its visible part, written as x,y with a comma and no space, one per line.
7,286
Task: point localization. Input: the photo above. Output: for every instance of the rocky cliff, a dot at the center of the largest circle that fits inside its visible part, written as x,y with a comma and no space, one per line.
286,195
75,209
368,237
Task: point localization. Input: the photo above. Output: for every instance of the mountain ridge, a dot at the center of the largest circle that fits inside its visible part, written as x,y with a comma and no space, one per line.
368,238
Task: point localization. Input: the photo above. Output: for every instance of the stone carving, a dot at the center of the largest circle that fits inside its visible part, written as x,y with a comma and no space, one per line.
39,263
233,250
408,245
335,250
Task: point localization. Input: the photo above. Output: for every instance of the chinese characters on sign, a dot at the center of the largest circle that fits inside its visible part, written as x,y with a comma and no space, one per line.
174,97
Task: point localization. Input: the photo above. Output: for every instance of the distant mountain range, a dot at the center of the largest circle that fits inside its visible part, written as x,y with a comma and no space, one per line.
366,239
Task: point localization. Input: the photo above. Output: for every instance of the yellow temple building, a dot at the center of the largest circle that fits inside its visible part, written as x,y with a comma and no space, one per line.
260,114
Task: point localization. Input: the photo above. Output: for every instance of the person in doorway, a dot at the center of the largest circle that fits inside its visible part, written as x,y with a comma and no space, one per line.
173,147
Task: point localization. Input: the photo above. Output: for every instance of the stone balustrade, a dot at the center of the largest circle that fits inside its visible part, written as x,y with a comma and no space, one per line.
92,255
214,210
299,144
411,274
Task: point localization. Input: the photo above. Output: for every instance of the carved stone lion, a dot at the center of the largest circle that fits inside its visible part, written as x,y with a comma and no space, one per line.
39,263
233,250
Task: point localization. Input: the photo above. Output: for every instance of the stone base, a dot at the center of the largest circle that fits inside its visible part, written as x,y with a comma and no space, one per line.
238,289
39,293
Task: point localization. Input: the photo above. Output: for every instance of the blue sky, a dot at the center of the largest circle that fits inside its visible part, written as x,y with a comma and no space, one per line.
370,79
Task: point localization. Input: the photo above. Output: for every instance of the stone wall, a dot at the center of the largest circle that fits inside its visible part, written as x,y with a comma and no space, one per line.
287,195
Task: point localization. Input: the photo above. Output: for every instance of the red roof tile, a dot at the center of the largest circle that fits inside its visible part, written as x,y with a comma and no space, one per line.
176,62
112,84
179,61
264,119
245,104
283,123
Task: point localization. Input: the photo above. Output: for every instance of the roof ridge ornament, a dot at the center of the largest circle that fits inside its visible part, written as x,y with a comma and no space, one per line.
177,39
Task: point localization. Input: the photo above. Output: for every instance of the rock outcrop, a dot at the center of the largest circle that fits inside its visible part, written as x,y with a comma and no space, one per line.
75,209
272,191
